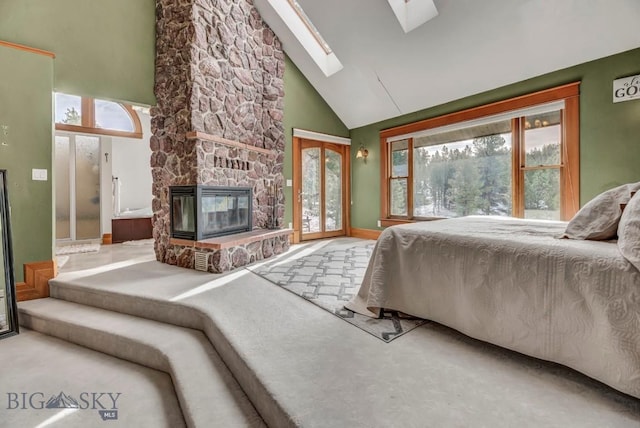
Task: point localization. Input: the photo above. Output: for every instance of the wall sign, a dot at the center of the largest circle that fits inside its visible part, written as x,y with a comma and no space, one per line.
626,89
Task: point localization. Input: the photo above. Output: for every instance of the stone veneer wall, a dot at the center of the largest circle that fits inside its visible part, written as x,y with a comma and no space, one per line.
219,71
240,255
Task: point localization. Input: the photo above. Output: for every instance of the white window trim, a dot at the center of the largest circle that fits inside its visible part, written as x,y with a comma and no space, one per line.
538,109
318,136
327,62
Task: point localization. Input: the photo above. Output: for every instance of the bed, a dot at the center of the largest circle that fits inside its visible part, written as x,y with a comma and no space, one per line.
515,284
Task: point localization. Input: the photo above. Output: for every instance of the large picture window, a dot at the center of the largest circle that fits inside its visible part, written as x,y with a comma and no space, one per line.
518,158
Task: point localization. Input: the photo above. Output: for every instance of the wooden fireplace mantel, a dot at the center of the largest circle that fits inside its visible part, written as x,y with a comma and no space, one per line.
208,137
234,240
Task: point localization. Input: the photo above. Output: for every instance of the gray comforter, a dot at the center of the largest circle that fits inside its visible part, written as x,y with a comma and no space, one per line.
513,283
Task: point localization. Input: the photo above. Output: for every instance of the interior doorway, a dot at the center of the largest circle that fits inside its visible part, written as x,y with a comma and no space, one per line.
77,187
321,191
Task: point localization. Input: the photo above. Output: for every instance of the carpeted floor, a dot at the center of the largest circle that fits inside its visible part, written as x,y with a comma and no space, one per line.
44,367
319,369
329,277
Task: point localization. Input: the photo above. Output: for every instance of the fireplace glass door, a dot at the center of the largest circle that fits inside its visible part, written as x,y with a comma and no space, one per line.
183,213
203,212
222,213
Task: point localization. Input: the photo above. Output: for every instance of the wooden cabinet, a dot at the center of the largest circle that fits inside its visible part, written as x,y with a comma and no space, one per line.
131,229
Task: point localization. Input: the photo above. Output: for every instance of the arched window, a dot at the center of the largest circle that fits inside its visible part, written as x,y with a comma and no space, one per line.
93,116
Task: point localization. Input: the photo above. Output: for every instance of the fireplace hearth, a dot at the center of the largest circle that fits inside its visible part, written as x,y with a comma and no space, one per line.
200,212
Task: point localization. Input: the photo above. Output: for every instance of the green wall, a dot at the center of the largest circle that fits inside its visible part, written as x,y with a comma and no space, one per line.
26,108
609,133
304,108
104,48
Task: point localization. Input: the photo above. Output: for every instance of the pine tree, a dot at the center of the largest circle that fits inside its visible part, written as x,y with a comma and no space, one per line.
542,186
72,117
333,190
494,164
466,188
399,164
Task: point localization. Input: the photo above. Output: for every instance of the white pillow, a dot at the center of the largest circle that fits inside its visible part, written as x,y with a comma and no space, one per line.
629,232
598,219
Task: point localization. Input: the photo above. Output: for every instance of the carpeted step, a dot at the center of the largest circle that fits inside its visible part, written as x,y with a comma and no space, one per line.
143,306
207,392
154,302
128,394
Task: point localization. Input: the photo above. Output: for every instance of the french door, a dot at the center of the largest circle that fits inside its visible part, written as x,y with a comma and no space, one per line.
321,190
77,165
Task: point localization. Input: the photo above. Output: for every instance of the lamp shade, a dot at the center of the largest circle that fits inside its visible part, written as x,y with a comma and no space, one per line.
362,153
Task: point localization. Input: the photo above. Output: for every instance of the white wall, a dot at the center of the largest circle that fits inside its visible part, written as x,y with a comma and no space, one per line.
131,164
106,200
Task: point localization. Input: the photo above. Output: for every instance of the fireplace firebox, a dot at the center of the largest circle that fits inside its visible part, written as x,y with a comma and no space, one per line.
200,212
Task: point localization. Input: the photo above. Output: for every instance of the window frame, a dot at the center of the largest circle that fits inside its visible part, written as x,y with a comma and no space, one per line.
88,121
570,150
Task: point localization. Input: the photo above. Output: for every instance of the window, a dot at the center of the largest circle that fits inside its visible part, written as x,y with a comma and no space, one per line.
414,13
463,172
517,157
399,177
68,109
88,115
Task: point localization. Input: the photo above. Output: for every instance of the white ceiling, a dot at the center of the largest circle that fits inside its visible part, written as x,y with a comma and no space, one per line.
470,47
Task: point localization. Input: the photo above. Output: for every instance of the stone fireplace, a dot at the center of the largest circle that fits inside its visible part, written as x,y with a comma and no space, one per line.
218,122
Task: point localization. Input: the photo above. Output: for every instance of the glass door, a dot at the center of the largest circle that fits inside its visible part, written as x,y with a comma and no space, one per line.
321,192
77,163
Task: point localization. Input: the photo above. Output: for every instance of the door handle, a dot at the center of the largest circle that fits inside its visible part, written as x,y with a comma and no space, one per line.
299,195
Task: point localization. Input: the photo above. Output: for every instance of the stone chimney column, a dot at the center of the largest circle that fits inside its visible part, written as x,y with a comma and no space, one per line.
219,73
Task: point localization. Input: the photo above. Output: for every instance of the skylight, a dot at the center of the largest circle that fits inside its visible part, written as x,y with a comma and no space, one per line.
413,13
314,31
307,34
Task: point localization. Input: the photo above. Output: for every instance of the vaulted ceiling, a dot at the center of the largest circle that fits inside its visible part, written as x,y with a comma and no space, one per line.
471,46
